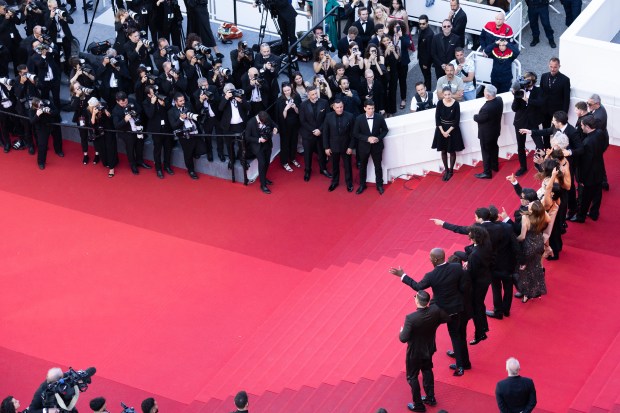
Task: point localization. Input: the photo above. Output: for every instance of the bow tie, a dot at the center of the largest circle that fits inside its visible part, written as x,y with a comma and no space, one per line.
363,22
369,118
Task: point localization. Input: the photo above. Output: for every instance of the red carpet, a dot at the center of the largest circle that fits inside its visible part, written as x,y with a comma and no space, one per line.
192,290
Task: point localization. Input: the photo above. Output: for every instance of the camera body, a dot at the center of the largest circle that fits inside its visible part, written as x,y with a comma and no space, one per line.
266,132
519,87
116,59
7,81
205,91
202,49
238,93
65,387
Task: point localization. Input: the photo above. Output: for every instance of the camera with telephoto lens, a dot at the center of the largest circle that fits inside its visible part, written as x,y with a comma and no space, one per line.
237,93
65,391
31,77
132,14
127,409
224,71
87,90
266,132
200,57
147,43
88,70
100,107
116,59
7,82
202,49
190,115
206,92
61,13
32,7
12,9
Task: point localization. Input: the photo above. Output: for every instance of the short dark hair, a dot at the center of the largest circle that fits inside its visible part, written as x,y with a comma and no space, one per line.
353,30
529,194
478,234
555,59
341,79
561,117
581,105
483,213
458,49
423,17
423,297
369,102
147,405
263,116
178,95
589,121
419,84
336,101
120,96
7,405
241,399
493,213
97,403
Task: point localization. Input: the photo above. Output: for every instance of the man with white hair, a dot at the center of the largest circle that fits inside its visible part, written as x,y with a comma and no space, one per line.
36,405
489,121
515,393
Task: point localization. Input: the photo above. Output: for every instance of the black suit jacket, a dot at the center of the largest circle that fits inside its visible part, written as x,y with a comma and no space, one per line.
376,93
459,24
52,30
364,35
419,332
442,49
226,111
449,284
515,394
556,92
343,46
252,134
334,138
591,166
361,132
489,119
574,141
425,42
307,119
528,115
155,114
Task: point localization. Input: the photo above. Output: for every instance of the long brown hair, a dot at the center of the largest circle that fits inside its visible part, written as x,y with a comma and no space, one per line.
536,215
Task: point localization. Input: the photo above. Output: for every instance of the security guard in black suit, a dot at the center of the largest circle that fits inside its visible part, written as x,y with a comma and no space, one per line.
337,135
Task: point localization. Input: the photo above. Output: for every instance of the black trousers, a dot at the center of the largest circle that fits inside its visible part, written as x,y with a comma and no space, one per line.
479,292
348,170
457,328
502,286
236,128
426,73
414,367
6,123
262,151
288,142
189,146
542,12
134,148
403,70
42,143
52,87
572,193
591,200
521,148
312,145
165,143
546,124
83,140
287,27
490,153
210,126
365,151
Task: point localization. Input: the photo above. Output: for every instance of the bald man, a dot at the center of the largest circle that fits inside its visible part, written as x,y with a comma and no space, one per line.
450,285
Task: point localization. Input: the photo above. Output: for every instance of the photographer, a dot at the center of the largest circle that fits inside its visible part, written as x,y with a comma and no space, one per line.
241,59
167,53
207,99
184,122
57,23
82,73
9,35
259,133
33,14
48,73
7,107
526,105
138,51
201,24
234,110
321,40
156,110
123,24
42,114
113,75
146,78
257,91
100,119
267,61
79,105
195,67
286,15
218,76
25,90
172,81
36,405
126,118
170,20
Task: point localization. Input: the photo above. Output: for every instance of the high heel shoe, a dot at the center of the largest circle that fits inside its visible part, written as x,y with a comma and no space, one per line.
96,159
111,173
85,159
525,299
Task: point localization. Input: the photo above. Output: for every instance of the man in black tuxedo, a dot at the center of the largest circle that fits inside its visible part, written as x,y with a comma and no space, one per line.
418,332
259,133
450,285
350,12
41,114
156,111
137,52
207,100
459,21
257,91
114,76
556,94
443,47
365,27
57,23
343,43
425,41
591,171
599,112
516,393
235,112
489,121
44,65
126,118
369,130
372,89
337,136
527,106
184,122
312,114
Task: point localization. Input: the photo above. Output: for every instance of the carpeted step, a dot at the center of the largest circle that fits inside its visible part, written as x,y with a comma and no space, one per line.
260,403
373,398
352,397
321,394
283,398
301,396
335,397
610,391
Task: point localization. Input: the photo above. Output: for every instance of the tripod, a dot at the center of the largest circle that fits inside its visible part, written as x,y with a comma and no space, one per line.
91,22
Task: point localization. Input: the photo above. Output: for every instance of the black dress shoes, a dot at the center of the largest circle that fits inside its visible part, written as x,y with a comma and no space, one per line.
431,401
552,44
578,219
326,174
168,170
96,159
332,187
134,170
144,165
350,188
210,157
265,189
450,353
268,182
416,407
380,189
483,176
31,150
521,172
60,154
478,340
41,166
222,158
160,174
360,190
85,160
193,175
534,42
307,176
458,372
494,314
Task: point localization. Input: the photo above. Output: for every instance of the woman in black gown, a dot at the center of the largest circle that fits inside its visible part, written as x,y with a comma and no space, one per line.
531,274
100,119
448,137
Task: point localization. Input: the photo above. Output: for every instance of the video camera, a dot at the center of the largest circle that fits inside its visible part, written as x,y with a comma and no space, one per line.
98,48
266,132
127,409
64,393
519,87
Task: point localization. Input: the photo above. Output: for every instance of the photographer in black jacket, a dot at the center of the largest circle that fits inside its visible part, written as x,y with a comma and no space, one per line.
36,405
156,110
184,122
527,106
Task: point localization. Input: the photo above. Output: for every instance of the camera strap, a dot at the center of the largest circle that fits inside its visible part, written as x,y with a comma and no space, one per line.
74,400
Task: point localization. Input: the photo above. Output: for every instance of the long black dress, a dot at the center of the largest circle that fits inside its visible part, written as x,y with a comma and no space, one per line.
532,278
448,117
